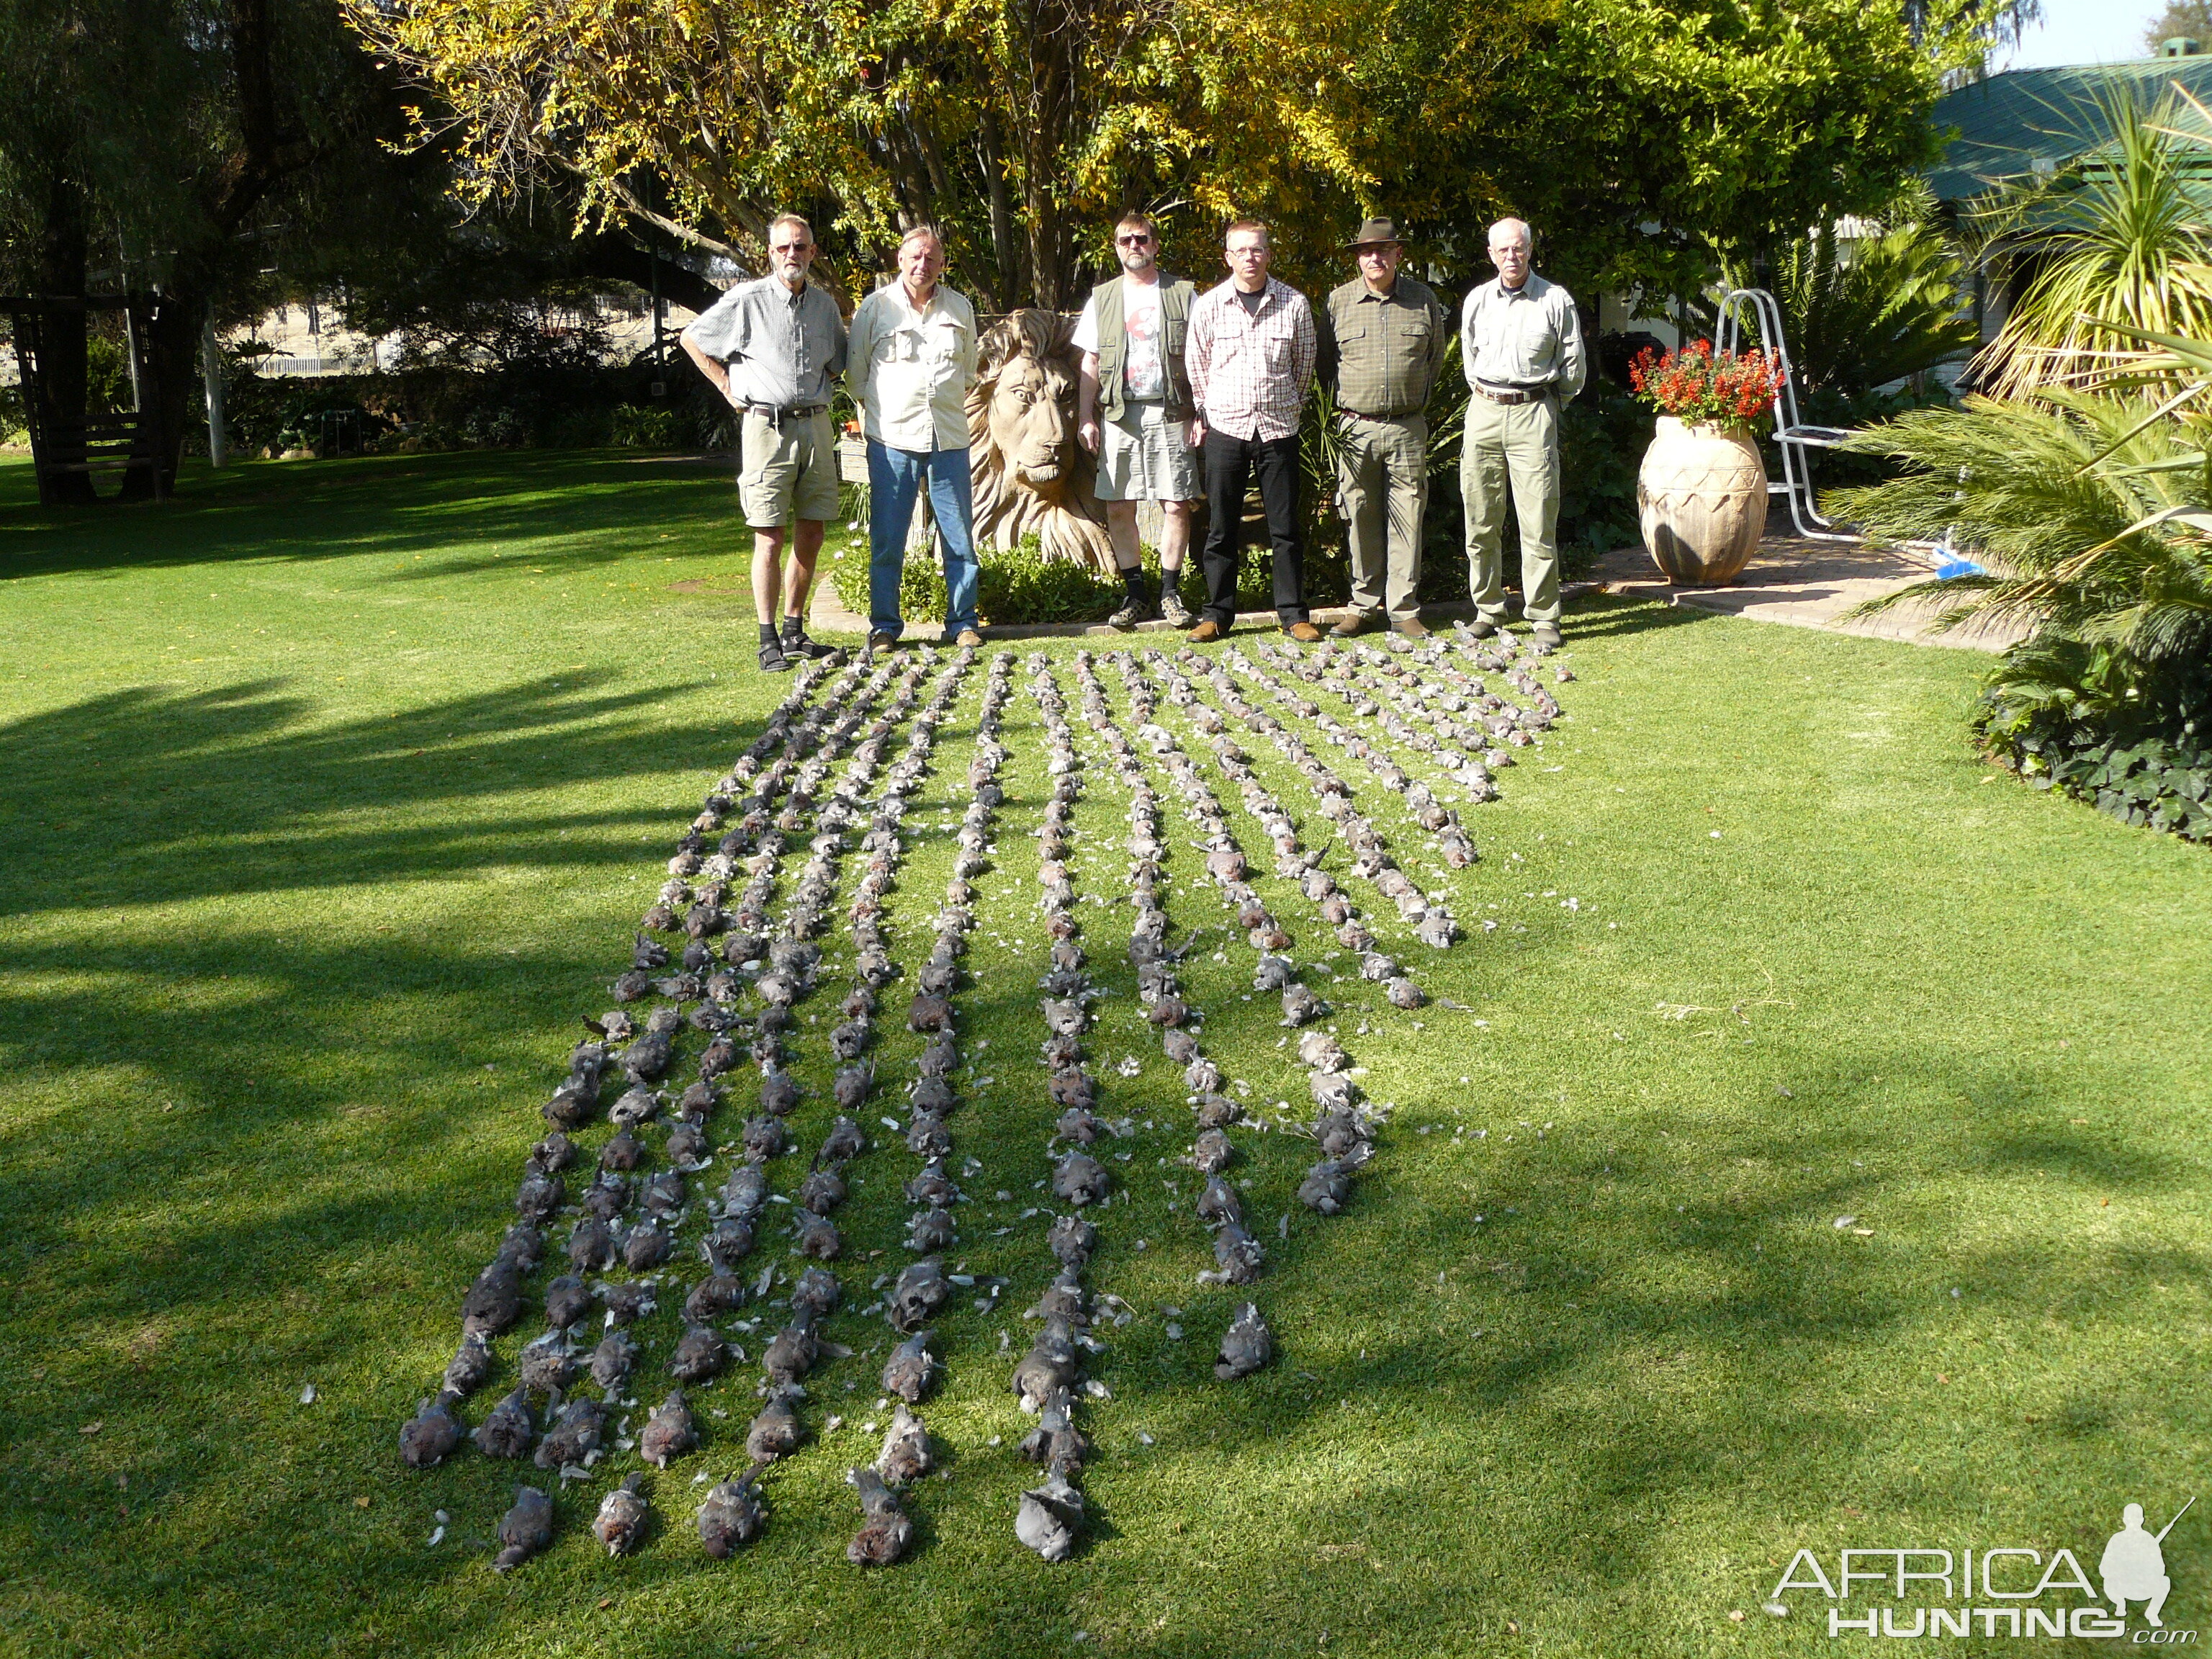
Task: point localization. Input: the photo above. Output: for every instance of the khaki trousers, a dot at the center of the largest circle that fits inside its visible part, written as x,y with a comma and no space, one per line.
1517,445
1383,491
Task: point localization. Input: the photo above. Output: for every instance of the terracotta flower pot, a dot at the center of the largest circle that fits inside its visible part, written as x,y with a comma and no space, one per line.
1702,494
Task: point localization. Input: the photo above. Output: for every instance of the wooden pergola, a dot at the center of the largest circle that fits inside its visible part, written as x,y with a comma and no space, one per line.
131,443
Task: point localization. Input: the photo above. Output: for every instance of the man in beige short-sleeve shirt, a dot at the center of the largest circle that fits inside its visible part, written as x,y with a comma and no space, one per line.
773,346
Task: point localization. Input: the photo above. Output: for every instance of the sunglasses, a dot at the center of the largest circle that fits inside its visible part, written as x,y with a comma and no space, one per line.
1133,241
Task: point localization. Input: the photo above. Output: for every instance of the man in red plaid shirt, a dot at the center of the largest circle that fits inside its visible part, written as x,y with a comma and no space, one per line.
1251,355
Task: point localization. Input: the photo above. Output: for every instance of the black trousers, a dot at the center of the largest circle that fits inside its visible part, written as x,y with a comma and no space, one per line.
1230,463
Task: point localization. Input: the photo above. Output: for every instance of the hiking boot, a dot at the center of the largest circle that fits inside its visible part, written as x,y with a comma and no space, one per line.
967,638
1207,632
1354,623
1134,609
1178,614
1481,629
1409,628
796,644
1545,636
882,645
1305,633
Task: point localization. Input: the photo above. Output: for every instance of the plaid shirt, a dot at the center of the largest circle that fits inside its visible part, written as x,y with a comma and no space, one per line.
1249,375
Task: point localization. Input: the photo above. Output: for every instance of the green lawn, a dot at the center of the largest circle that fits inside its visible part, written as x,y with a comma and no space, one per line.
334,793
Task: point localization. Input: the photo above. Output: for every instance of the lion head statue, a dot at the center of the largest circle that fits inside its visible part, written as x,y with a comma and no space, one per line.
1031,475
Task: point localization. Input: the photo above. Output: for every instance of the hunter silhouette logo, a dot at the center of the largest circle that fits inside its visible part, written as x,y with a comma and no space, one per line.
1997,1590
2133,1565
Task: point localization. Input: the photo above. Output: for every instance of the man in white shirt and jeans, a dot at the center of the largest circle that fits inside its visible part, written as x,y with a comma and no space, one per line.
1521,344
908,364
1131,335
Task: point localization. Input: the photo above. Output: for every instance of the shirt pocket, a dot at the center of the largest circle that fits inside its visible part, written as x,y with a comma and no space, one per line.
947,338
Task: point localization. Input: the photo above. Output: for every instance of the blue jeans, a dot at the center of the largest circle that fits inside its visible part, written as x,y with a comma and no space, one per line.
895,476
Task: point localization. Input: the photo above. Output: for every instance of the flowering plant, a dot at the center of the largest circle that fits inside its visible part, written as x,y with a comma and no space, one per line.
1728,388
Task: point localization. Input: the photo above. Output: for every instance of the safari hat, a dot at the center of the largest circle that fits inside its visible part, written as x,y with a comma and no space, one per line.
1376,230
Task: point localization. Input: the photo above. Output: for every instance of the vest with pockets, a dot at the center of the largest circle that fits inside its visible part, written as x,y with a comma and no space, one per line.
1176,295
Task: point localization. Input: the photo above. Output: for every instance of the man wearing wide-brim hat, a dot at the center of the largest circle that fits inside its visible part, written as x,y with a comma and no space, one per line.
1384,339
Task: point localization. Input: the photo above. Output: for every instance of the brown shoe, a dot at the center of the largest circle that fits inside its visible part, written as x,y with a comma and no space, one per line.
1355,624
882,645
967,636
1410,628
1207,632
1305,633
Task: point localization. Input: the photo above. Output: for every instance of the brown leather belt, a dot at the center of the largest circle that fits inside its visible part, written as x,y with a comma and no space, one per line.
1511,400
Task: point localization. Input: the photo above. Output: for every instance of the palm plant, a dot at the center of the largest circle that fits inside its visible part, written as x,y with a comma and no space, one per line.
2119,242
2087,509
1861,315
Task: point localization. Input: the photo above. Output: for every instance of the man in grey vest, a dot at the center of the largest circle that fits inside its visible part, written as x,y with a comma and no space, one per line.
773,346
1383,338
1521,343
1131,334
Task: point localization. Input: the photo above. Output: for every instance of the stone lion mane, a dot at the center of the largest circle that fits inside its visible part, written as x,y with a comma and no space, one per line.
1064,514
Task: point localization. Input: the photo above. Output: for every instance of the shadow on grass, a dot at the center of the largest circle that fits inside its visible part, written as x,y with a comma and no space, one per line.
593,505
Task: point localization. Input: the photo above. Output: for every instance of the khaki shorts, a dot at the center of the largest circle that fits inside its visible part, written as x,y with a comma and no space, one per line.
1142,457
788,474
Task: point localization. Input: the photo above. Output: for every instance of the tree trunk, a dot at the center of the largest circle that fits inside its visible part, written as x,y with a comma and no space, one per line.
62,359
1005,246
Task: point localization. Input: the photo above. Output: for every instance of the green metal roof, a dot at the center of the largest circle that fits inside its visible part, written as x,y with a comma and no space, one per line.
2009,123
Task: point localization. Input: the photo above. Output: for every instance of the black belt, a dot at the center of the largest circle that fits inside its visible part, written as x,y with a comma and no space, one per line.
776,417
1362,415
1524,395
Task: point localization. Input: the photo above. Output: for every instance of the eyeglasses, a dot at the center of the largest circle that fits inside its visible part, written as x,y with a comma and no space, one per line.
1133,241
1246,253
1377,250
790,247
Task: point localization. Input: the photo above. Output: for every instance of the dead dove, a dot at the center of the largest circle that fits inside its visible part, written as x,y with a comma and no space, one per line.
1077,1125
712,1297
1074,1087
1064,1017
699,1356
889,1531
555,1153
1301,1007
1080,1179
765,1138
905,1455
1436,929
426,1438
689,1146
647,1245
744,1194
941,1058
548,1364
1201,1077
1245,1347
1404,993
664,1195
931,1185
1327,1185
851,1087
731,1515
1212,1151
1217,1111
629,1301
649,953
1339,1132
623,1153
920,1291
1271,973
621,1522
634,1106
1332,1090
1236,1254
1180,1046
647,1058
792,1352
930,1230
844,1141
1321,1051
816,1292
632,984
935,1095
911,1369
819,1239
470,1366
1220,1203
1050,1365
524,1530
493,1302
928,1137
508,1428
669,1432
822,1192
540,1195
775,1432
606,1197
1050,1518
574,1435
929,1013
850,1040
1057,1441
1071,1240
611,1361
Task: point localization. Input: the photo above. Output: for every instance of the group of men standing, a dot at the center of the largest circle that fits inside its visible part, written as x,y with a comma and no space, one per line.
1182,396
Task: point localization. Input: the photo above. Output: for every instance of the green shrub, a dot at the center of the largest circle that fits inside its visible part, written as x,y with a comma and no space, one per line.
1015,585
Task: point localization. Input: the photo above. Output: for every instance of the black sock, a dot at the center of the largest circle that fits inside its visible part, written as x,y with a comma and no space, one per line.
1134,580
767,633
793,628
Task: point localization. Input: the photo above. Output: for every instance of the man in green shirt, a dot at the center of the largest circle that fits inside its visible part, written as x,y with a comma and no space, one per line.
1385,338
